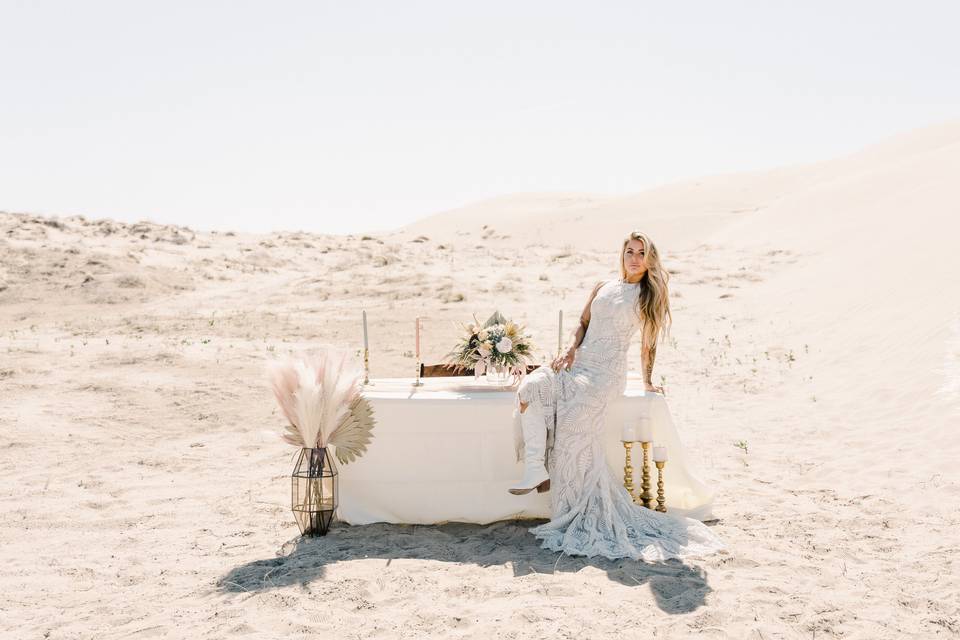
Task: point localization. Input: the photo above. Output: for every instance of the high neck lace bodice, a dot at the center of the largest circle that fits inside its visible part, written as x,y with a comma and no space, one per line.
613,323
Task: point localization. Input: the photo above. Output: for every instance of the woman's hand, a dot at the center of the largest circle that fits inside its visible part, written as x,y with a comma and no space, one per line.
651,388
565,361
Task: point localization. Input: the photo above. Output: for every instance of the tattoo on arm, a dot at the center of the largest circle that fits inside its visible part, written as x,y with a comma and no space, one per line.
651,354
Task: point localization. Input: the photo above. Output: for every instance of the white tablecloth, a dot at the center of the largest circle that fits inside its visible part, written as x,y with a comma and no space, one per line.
444,452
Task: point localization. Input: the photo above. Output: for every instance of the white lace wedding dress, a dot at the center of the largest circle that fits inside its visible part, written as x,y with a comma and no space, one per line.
592,513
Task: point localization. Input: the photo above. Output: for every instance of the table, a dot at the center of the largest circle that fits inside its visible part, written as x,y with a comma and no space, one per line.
444,452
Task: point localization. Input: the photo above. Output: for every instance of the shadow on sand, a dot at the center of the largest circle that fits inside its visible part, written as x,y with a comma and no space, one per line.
677,587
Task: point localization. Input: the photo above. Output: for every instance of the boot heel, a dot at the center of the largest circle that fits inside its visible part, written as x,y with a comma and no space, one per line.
543,487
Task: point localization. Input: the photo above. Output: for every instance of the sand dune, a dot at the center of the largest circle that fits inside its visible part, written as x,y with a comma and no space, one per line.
816,324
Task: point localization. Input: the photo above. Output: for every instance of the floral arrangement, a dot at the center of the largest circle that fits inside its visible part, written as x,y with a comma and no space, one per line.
320,395
497,344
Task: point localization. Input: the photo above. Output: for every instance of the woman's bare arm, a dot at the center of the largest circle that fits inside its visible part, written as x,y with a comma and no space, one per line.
565,360
648,354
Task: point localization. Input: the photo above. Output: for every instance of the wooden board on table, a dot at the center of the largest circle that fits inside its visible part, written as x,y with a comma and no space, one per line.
451,370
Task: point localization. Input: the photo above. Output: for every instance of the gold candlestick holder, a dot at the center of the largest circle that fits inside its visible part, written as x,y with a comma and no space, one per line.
661,499
646,497
366,367
628,469
417,382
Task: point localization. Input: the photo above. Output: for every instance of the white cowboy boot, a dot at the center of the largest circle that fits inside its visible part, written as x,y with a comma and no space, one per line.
535,474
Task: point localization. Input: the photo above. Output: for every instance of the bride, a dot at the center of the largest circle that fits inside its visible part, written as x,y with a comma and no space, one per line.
592,513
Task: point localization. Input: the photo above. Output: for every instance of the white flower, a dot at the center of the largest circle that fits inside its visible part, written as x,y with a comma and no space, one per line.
484,349
505,345
483,334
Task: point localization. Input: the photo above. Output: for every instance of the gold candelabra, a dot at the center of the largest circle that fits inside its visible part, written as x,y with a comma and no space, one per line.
628,470
661,499
646,496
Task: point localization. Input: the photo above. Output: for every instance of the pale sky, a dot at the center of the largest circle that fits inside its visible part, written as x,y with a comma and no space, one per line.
350,116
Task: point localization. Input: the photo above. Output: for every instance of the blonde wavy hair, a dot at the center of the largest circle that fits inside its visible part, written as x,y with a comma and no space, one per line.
653,303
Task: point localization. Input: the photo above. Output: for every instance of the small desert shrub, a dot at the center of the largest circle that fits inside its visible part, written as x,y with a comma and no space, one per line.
130,282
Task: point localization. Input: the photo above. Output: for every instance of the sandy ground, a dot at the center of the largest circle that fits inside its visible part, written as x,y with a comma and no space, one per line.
145,490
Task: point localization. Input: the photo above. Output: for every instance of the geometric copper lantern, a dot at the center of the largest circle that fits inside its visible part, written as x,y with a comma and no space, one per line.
314,496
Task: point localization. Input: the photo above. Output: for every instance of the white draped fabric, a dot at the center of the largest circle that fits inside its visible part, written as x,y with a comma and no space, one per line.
444,452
